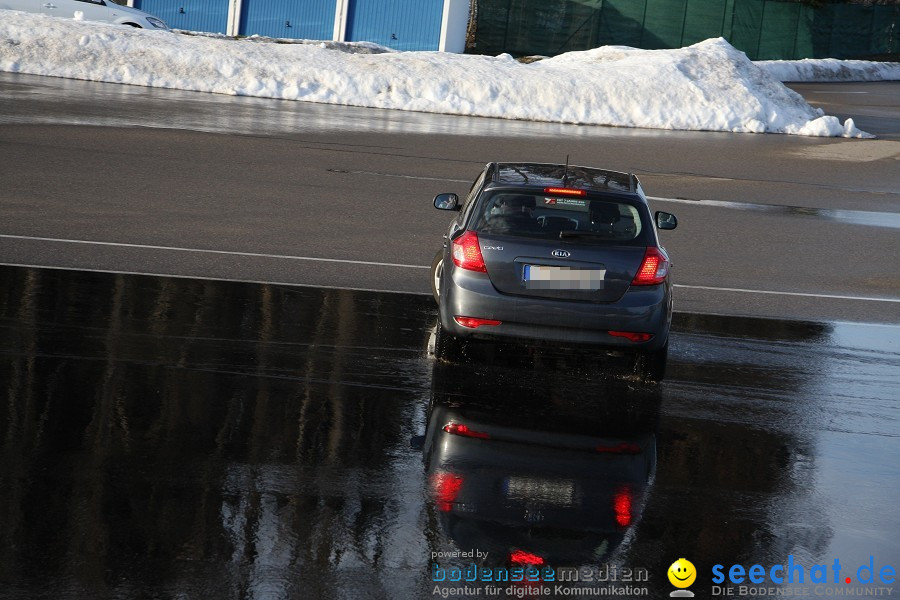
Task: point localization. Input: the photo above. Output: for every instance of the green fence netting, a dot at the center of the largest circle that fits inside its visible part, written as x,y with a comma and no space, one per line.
764,29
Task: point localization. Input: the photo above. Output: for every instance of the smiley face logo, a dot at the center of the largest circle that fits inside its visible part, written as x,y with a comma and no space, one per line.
682,573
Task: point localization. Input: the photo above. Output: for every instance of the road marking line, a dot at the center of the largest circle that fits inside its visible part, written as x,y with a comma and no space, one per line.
721,203
835,215
203,251
807,295
383,264
341,171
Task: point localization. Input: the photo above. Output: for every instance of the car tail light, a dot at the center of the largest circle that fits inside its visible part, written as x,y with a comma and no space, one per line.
467,253
520,557
620,448
622,502
654,268
564,191
475,322
463,430
445,487
632,335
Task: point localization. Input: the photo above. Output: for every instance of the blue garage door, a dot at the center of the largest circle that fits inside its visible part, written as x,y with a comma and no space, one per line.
299,19
398,24
193,15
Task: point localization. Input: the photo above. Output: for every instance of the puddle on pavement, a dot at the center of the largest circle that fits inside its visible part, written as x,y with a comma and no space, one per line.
194,439
849,217
114,105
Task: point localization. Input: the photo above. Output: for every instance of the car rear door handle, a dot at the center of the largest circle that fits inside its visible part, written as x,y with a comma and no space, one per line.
48,5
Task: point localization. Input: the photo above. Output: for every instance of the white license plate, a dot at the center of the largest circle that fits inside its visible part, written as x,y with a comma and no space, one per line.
559,492
543,277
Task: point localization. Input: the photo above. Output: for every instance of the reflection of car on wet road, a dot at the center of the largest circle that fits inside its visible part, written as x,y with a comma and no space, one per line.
559,254
560,487
91,10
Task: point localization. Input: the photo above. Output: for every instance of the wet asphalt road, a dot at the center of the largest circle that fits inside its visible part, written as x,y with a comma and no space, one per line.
178,438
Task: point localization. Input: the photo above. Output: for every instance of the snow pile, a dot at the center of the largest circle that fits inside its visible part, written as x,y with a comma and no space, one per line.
830,69
707,86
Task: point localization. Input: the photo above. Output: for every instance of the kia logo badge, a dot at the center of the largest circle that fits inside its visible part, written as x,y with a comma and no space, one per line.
561,254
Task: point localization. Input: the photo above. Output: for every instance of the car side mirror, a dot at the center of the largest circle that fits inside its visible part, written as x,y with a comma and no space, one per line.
447,202
665,220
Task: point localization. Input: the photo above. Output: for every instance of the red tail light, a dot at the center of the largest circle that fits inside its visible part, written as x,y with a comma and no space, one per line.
632,336
467,253
620,448
474,322
520,557
445,487
622,506
564,191
654,268
463,430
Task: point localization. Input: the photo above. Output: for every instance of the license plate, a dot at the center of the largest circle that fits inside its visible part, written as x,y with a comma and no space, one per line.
559,492
543,277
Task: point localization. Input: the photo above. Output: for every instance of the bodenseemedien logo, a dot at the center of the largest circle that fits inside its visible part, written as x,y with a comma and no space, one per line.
682,574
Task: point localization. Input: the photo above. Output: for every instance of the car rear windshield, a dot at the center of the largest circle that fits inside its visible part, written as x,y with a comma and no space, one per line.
545,216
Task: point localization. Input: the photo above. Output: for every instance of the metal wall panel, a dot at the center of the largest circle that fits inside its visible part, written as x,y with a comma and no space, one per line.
299,19
763,29
192,15
398,24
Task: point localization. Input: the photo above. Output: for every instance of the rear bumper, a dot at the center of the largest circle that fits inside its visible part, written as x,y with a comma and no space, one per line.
642,309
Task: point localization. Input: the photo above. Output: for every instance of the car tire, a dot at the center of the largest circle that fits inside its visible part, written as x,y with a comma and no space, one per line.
437,269
650,367
447,346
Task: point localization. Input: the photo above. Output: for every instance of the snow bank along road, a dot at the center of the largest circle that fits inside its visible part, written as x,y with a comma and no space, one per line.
708,86
341,196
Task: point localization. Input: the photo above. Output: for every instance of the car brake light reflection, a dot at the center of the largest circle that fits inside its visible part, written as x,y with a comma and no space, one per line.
632,336
520,557
620,448
445,487
622,506
463,430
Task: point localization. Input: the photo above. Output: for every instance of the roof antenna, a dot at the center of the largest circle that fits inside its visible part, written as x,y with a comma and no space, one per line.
565,179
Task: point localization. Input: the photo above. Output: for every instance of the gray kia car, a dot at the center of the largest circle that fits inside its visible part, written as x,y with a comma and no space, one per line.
567,255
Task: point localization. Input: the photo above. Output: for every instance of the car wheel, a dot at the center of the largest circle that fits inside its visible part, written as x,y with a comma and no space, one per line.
446,345
650,367
437,269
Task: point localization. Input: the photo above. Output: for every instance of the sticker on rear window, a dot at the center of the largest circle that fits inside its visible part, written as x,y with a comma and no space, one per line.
565,202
